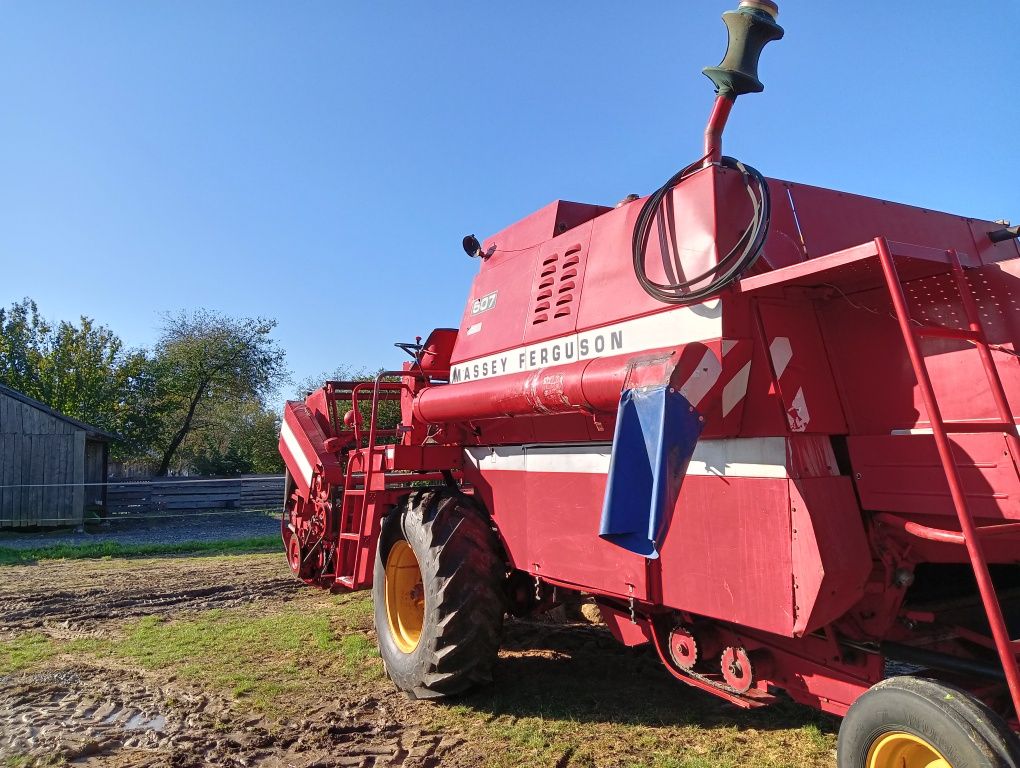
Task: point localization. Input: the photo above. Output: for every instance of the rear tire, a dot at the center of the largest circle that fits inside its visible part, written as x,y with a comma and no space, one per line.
911,722
439,595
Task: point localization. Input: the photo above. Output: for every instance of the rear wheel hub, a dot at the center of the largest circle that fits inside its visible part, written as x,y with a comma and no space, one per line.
405,597
904,750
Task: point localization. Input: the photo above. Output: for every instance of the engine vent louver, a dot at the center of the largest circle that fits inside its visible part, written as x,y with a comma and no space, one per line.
557,281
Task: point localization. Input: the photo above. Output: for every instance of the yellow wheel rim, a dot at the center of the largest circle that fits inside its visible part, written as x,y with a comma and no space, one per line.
405,597
904,750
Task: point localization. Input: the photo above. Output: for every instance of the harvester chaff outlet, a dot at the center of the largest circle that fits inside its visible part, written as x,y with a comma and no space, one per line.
765,427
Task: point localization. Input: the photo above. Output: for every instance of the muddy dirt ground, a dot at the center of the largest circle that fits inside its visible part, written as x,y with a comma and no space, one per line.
105,714
95,710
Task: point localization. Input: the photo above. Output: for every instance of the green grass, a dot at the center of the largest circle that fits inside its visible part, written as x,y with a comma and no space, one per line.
262,660
24,651
25,761
11,556
31,650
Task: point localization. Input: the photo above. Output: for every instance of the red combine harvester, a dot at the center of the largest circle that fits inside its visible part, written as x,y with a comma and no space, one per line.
765,426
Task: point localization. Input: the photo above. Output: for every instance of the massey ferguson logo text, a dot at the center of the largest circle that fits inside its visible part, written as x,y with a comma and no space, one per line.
556,352
483,304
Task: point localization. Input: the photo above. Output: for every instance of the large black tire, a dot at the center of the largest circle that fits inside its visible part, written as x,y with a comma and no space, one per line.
965,732
462,575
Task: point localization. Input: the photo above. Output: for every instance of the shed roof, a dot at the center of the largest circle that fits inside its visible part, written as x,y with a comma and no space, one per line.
94,433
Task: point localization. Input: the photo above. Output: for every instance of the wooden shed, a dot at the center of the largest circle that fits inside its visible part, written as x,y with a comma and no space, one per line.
52,467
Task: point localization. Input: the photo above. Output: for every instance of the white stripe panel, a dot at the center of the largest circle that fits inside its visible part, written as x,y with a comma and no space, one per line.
735,389
729,457
683,325
781,353
295,451
703,379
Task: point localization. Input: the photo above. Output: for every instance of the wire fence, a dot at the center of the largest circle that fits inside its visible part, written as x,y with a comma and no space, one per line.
160,481
149,499
60,521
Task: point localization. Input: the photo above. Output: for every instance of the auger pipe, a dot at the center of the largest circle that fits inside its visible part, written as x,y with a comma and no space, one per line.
714,130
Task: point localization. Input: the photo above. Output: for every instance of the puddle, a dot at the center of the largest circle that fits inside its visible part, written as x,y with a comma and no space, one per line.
140,722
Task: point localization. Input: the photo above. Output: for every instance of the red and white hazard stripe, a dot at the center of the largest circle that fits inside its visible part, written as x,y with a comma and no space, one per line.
797,415
717,384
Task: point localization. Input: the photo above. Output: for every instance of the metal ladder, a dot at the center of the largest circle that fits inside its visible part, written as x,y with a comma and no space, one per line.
970,534
352,515
357,522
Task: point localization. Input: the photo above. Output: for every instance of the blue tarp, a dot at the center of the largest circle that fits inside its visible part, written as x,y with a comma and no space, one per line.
656,431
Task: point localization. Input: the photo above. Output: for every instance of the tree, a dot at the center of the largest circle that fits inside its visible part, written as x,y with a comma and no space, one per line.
197,402
204,360
81,370
24,338
85,372
242,438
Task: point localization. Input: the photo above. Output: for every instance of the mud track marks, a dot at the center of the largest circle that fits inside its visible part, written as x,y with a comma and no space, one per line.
78,596
97,716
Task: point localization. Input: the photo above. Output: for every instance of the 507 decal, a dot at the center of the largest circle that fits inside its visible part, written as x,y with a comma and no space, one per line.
483,304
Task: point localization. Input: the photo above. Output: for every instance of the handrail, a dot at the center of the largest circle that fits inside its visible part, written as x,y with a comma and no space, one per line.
355,390
921,531
375,410
943,535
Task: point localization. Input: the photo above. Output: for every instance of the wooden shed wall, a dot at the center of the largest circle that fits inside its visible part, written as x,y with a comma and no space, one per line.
96,460
42,467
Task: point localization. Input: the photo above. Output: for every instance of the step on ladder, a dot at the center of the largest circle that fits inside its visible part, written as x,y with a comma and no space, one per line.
970,534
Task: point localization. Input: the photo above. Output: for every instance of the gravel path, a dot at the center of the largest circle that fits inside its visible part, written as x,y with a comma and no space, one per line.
203,527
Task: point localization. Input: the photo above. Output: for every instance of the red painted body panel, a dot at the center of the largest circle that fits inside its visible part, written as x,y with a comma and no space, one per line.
561,540
868,361
800,368
547,521
787,583
717,523
831,552
902,474
831,221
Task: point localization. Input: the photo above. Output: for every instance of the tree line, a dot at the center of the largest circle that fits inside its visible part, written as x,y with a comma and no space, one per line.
196,402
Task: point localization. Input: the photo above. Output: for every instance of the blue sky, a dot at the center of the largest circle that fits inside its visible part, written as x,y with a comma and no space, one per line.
319,162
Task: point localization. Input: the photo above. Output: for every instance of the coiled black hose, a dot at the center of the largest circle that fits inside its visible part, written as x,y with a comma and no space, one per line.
742,256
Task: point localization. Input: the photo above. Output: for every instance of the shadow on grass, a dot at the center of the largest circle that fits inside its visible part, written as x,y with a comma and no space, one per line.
580,673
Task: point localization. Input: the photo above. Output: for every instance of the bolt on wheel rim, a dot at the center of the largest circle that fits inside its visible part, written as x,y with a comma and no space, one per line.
405,597
904,750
